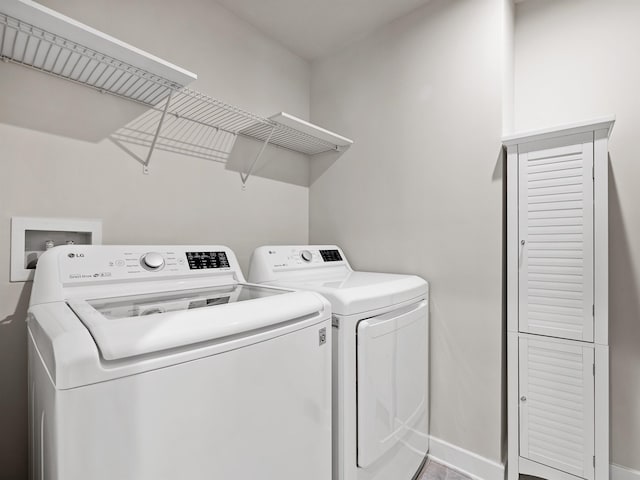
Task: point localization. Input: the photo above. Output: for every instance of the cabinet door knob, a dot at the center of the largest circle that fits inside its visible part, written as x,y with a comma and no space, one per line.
523,398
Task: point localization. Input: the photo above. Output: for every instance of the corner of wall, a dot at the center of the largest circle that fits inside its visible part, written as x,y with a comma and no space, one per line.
508,65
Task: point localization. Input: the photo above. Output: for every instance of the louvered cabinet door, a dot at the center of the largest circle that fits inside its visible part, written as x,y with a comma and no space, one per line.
555,224
556,387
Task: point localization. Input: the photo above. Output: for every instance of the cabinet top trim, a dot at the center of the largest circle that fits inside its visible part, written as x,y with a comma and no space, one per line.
601,123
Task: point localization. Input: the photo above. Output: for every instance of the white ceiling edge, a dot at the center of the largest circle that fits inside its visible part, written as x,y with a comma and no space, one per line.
312,29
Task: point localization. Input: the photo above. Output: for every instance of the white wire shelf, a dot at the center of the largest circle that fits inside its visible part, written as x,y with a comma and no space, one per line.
297,135
196,124
180,119
65,50
191,106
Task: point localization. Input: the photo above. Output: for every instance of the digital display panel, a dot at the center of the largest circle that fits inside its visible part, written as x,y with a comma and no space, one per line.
331,255
201,260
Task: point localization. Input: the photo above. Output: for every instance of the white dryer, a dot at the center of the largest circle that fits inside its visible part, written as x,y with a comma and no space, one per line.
380,358
160,363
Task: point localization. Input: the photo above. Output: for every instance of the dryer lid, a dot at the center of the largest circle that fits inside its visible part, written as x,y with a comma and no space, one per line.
145,323
358,292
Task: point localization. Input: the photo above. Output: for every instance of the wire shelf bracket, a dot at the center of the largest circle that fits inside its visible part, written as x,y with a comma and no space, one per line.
245,176
145,167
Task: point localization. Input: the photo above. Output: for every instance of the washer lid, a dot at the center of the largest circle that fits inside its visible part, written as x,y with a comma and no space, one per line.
358,292
138,324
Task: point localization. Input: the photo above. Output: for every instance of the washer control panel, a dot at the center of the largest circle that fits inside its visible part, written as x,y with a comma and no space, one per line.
105,262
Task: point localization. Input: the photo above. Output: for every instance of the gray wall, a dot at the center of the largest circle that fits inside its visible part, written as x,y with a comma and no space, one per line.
575,60
421,190
55,160
425,97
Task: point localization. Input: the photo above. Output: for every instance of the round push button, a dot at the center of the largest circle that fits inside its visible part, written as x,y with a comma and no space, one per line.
152,261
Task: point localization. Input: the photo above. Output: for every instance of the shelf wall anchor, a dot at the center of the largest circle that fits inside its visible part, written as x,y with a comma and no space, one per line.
145,167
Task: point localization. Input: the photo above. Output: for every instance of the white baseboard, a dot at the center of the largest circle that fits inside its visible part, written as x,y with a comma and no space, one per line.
619,472
467,462
481,468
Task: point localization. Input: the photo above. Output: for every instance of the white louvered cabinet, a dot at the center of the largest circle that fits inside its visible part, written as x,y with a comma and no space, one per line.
555,231
556,385
557,302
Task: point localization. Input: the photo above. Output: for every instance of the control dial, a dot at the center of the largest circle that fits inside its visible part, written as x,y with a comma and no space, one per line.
306,255
152,261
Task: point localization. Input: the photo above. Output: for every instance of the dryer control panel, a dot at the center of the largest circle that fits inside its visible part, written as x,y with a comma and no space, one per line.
305,258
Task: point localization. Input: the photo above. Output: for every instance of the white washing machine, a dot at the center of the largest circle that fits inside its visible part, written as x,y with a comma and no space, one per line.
380,358
159,362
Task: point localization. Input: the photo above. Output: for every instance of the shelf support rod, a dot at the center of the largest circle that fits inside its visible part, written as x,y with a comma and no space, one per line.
244,177
145,166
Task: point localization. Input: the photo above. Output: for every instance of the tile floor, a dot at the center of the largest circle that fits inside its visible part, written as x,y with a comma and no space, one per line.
435,471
